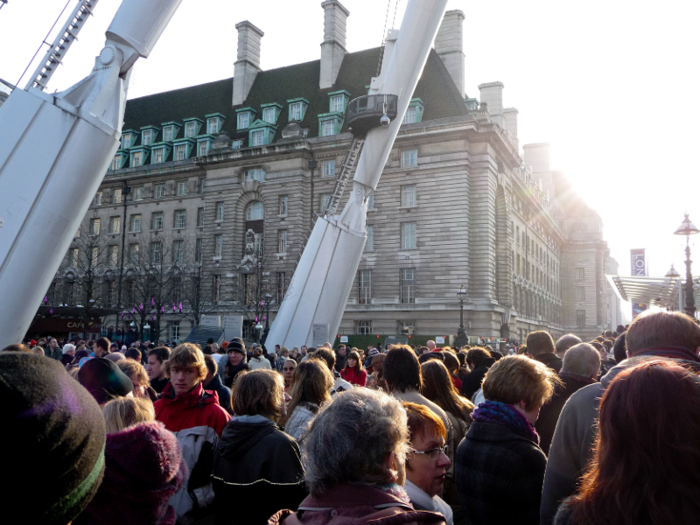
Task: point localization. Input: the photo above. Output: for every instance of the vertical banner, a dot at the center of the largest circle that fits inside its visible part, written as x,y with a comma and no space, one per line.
638,267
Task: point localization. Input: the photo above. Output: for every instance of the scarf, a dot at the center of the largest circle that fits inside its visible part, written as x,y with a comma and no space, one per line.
397,491
670,352
504,414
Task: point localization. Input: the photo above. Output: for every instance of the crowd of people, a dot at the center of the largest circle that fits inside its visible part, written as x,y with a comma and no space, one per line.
548,432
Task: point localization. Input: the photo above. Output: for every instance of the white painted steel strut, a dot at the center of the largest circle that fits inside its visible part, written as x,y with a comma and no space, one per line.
313,306
54,152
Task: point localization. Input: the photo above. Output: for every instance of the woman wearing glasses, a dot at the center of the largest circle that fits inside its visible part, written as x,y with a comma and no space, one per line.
499,466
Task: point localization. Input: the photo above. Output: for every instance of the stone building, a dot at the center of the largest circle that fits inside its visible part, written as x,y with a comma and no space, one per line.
226,180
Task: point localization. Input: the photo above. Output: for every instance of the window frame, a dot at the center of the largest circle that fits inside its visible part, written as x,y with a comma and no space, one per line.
181,188
135,218
328,168
409,196
282,239
407,236
407,286
180,219
157,220
409,158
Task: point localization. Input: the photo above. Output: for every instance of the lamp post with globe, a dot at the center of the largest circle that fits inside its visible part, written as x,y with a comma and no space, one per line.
462,339
687,228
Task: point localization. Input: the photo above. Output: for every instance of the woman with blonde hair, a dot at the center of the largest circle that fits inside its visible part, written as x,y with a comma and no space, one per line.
143,468
499,466
139,378
311,389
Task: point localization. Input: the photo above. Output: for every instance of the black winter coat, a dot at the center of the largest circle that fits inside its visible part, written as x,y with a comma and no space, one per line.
499,472
472,381
257,472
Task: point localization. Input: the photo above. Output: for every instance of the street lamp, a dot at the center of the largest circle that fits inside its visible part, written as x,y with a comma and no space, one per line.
462,339
687,228
268,301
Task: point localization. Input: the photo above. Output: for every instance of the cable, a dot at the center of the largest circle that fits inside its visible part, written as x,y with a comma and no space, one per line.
42,43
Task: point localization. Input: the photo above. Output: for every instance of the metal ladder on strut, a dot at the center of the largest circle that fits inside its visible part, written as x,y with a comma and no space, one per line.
346,169
61,44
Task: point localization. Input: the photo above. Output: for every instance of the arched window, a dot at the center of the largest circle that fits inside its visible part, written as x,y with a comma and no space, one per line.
255,211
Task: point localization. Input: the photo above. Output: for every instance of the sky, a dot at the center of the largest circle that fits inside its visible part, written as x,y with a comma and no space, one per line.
609,85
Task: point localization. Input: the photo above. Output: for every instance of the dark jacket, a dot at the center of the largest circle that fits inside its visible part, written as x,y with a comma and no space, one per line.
258,466
224,392
553,361
159,384
574,435
143,469
347,504
472,381
499,472
549,414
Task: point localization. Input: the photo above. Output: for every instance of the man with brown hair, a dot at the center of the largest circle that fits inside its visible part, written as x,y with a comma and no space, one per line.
652,335
197,420
540,346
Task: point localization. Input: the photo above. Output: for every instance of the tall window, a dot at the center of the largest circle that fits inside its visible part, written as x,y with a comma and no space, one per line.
157,253
328,168
255,211
181,188
157,221
407,290
580,293
364,286
203,148
370,202
175,331
337,103
218,245
580,318
200,217
408,235
198,250
134,253
117,162
255,174
126,141
159,191
243,120
281,241
117,196
283,204
138,193
167,134
180,219
112,255
97,201
94,226
408,196
135,223
411,115
220,211
190,129
216,289
369,246
325,199
213,126
281,287
115,224
146,137
74,254
136,159
327,128
409,158
580,273
269,115
178,251
202,185
295,111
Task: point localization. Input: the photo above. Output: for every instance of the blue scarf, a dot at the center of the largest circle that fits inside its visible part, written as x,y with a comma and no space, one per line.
504,414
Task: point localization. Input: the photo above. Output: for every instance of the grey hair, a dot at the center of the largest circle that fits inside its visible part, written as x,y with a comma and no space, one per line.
581,360
333,453
567,341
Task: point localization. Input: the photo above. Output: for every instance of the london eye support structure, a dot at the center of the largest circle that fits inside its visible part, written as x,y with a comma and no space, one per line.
55,150
313,306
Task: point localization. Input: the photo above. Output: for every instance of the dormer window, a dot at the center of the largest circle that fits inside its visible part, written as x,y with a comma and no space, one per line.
245,117
338,101
192,126
119,160
203,148
214,123
257,138
129,138
182,149
160,154
181,152
414,113
261,133
136,159
170,131
329,124
146,137
270,112
297,108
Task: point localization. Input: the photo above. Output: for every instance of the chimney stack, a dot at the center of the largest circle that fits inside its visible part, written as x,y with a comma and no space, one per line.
492,94
510,116
537,156
247,64
333,46
449,46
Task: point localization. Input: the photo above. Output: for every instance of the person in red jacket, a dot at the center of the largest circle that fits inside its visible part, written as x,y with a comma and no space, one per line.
197,420
353,372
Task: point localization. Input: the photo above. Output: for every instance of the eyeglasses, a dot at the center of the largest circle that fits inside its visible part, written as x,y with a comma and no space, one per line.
433,453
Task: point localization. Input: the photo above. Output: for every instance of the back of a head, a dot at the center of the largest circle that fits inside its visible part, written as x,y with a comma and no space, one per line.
519,378
17,347
211,364
402,370
620,348
134,354
124,412
260,392
57,430
649,428
539,342
326,355
312,382
478,357
332,455
565,342
162,353
582,360
661,329
103,343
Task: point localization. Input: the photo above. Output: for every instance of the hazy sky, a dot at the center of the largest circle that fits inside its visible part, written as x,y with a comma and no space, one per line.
610,85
